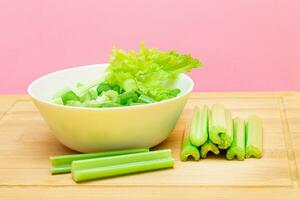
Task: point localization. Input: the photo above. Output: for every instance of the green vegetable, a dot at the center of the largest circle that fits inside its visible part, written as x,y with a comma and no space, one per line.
254,137
62,164
103,87
220,126
128,97
237,148
148,70
57,100
208,147
82,90
97,168
110,104
69,96
188,150
199,129
145,99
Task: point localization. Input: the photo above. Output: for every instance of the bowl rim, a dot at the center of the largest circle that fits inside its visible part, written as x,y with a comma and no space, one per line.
29,91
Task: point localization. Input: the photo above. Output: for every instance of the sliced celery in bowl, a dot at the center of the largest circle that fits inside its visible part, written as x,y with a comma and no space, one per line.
99,129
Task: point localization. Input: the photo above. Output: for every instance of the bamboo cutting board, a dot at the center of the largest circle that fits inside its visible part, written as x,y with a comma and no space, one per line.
26,144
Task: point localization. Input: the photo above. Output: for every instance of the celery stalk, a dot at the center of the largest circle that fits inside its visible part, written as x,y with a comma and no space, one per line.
237,148
188,150
254,137
62,164
208,147
220,126
95,168
199,127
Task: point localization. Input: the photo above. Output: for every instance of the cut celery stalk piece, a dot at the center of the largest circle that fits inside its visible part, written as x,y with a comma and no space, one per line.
61,92
62,164
220,126
97,168
254,137
199,127
57,100
145,99
237,148
85,88
69,96
208,147
188,150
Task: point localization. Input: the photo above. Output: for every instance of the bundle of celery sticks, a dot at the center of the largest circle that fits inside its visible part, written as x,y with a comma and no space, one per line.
212,130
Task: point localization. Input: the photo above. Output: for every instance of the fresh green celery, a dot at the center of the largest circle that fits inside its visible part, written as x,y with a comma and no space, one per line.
208,147
128,97
220,126
61,92
237,148
57,100
62,164
254,137
145,99
74,103
83,170
188,150
85,88
69,96
93,93
199,127
103,87
109,105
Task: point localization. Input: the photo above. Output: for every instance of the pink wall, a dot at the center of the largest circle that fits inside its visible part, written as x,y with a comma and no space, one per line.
245,45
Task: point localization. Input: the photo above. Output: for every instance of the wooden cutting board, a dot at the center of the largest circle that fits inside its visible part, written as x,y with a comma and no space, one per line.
26,144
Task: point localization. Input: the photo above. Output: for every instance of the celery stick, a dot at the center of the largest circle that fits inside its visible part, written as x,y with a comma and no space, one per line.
145,99
118,165
220,126
254,137
62,164
237,148
187,148
199,128
121,169
208,147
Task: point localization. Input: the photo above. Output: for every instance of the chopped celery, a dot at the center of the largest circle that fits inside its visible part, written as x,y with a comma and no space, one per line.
109,105
237,147
103,87
254,137
220,126
188,150
145,99
74,103
62,164
93,93
128,97
57,100
112,95
199,128
208,147
61,92
136,104
96,168
68,96
86,87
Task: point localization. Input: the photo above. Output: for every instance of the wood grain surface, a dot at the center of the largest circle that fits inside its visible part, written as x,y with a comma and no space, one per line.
26,143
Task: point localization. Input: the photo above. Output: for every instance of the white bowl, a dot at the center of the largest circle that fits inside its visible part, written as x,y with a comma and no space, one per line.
99,129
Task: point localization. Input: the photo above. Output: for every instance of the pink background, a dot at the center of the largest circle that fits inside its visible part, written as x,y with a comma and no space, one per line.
246,45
